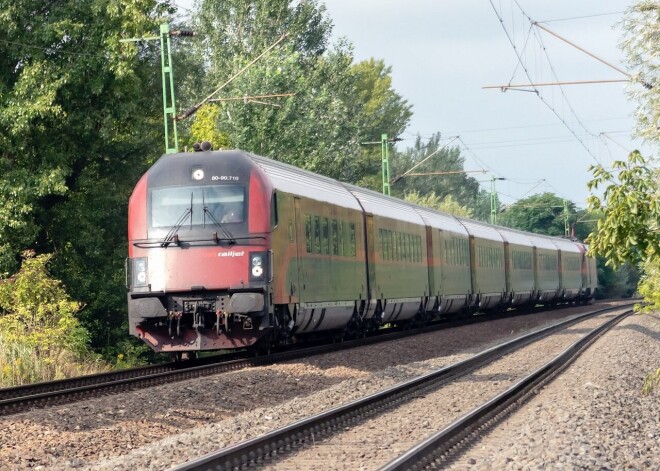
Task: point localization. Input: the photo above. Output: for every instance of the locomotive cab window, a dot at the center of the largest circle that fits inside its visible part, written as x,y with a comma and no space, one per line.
197,206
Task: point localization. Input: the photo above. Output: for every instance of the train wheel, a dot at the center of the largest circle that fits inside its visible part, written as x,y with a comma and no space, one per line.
263,347
183,356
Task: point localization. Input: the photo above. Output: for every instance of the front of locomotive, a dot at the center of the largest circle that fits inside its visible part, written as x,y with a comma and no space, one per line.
198,271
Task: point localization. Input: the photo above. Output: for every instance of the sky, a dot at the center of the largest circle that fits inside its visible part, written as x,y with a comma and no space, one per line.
443,52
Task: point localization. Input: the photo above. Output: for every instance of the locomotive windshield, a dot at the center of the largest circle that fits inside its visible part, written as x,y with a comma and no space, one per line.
224,203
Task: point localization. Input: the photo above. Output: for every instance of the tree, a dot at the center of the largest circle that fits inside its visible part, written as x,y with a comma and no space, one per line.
541,214
629,230
445,205
336,104
640,177
315,128
380,111
80,117
463,188
641,46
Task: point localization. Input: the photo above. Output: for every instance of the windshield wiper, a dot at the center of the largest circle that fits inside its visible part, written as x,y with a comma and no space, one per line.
171,235
228,235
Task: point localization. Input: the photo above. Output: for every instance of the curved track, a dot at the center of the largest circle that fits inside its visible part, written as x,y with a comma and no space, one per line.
262,449
22,398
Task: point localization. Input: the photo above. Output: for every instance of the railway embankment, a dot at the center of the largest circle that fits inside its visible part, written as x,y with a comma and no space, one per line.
593,415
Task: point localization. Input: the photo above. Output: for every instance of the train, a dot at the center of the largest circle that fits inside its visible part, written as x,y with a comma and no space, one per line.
231,250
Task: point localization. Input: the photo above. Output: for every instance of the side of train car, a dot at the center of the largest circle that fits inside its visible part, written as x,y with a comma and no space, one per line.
231,250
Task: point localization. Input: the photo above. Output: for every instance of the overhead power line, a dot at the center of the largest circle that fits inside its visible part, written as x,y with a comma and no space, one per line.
582,17
194,109
549,84
521,62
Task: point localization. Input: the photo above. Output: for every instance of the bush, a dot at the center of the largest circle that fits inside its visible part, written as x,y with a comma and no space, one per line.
40,337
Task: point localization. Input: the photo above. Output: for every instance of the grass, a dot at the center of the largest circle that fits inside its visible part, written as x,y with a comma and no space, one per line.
21,364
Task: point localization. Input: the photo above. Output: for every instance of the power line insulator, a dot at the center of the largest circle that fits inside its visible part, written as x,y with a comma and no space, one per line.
182,32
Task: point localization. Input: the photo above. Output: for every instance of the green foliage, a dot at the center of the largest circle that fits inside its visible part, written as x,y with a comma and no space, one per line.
205,128
642,47
383,110
629,230
446,204
462,188
541,214
336,104
80,117
40,337
619,283
37,310
649,285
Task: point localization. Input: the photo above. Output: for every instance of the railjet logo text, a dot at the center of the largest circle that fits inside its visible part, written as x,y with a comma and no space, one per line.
231,253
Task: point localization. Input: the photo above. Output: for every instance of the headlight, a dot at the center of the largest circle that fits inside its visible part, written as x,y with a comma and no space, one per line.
139,272
258,266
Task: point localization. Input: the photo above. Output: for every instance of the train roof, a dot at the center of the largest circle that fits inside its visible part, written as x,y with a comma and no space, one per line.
442,221
385,206
294,180
565,245
515,237
481,230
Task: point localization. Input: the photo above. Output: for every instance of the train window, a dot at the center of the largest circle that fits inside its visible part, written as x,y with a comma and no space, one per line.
317,234
388,245
351,237
447,252
406,247
340,237
273,211
416,249
413,242
325,237
395,248
335,238
381,244
308,233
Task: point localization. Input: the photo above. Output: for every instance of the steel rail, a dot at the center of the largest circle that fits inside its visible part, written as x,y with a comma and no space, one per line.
457,437
21,398
101,378
256,451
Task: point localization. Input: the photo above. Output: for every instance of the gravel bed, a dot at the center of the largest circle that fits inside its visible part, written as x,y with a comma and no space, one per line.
155,428
593,416
375,442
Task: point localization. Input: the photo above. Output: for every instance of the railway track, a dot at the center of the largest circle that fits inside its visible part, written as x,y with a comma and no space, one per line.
286,441
47,394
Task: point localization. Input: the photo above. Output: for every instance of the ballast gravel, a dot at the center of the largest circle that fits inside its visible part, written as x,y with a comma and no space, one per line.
160,427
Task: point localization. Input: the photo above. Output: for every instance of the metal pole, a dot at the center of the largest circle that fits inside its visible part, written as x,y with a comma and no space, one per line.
493,217
493,200
386,164
169,102
566,227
